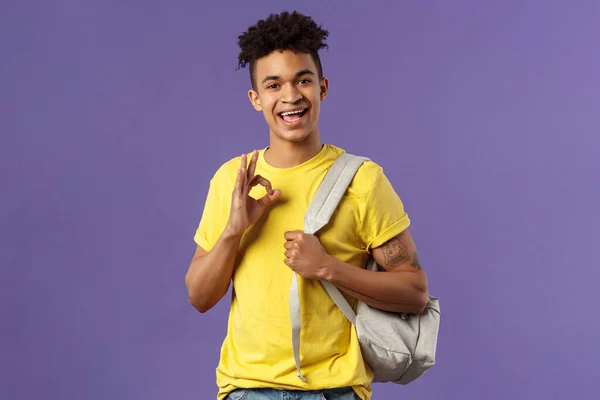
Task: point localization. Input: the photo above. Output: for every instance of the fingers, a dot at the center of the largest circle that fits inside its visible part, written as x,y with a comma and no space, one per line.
243,169
291,245
291,250
248,180
290,260
252,167
238,183
267,199
293,235
264,182
247,172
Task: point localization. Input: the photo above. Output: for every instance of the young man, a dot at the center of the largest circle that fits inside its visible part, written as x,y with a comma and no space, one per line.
251,234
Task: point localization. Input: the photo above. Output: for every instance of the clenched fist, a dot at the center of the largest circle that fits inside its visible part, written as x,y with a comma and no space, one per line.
305,255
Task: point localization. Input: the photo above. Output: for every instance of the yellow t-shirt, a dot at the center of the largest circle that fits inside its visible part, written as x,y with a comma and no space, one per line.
257,350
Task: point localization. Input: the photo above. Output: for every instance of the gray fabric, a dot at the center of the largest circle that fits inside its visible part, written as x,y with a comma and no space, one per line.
398,347
319,212
330,192
295,315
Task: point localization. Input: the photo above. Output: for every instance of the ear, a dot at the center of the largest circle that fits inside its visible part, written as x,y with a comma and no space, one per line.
324,85
255,100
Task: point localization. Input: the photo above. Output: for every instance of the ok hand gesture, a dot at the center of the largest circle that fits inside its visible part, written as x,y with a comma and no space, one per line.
246,210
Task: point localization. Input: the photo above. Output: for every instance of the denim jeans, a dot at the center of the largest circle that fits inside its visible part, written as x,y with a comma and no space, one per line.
277,394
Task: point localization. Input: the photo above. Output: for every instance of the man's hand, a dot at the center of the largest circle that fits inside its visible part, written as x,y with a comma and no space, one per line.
305,255
246,210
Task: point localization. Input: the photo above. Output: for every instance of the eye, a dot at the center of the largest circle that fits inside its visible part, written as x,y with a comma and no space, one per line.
305,80
272,86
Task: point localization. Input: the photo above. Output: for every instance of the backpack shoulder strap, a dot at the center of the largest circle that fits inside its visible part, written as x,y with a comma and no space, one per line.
331,190
318,214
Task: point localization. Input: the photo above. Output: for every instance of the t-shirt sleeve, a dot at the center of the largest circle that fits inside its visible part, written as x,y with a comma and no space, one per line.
384,216
214,216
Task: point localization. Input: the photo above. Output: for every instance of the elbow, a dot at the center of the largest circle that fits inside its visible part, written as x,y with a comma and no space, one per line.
203,299
423,297
416,295
198,299
199,303
201,308
422,303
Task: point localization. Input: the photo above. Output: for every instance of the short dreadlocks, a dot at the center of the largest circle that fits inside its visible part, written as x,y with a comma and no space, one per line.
284,31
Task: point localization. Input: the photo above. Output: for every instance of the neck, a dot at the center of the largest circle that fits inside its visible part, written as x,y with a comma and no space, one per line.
284,154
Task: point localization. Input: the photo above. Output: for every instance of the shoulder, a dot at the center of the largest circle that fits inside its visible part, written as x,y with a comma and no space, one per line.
369,169
368,176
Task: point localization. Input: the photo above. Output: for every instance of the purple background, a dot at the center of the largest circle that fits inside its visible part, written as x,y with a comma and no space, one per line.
115,114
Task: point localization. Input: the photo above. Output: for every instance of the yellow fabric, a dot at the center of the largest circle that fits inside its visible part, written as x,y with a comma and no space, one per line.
257,350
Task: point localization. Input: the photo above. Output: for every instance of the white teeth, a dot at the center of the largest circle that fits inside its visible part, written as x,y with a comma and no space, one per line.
291,112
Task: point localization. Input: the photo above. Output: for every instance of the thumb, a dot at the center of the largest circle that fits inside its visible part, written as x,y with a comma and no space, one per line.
274,195
269,198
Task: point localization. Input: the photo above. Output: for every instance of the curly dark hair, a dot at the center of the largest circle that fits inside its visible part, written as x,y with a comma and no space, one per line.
284,31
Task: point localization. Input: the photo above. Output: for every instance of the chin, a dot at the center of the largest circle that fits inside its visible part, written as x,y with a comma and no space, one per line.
293,136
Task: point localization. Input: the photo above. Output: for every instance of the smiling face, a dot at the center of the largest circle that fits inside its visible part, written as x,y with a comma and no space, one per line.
288,92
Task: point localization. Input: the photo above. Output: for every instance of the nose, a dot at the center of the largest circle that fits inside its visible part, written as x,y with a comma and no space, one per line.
290,94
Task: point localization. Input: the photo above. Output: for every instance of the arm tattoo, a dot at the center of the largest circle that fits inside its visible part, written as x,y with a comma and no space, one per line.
394,252
415,262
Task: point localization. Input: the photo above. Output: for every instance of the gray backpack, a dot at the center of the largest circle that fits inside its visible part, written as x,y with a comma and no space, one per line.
397,347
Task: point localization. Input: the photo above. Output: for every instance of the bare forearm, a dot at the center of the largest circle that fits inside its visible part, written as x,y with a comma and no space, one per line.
209,276
401,291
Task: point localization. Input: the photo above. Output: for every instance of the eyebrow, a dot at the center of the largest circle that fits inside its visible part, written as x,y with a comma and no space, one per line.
298,75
